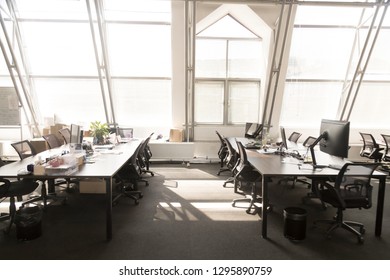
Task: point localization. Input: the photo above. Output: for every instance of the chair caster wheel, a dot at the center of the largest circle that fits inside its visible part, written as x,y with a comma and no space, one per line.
136,202
360,239
140,195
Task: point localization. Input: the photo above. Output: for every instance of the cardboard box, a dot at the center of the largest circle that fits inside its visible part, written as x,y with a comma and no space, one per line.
96,186
176,135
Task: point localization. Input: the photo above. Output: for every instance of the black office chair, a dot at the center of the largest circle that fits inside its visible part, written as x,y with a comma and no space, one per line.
126,180
222,153
386,152
15,190
294,137
231,161
144,156
370,149
52,141
246,174
24,149
349,191
66,135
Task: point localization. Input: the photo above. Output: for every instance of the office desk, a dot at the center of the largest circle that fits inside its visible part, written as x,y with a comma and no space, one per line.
271,165
105,167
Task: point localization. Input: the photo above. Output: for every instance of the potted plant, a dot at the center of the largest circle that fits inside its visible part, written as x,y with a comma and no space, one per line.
99,131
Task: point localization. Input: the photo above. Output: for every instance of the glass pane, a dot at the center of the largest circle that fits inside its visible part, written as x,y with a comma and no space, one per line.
143,102
209,102
210,58
371,106
307,103
324,15
320,53
70,100
59,48
244,102
379,65
141,10
49,9
140,50
245,59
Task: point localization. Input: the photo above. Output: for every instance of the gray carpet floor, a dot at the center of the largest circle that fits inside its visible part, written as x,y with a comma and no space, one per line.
186,214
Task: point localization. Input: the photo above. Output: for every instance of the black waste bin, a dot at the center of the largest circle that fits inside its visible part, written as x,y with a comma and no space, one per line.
28,221
294,223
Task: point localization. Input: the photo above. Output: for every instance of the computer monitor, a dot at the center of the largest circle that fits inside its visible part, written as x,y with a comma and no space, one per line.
75,134
253,130
284,138
333,139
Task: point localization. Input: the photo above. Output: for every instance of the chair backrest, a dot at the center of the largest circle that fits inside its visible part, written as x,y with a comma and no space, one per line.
243,156
368,141
370,148
309,141
222,152
52,141
386,154
294,137
232,156
353,183
65,133
24,149
143,153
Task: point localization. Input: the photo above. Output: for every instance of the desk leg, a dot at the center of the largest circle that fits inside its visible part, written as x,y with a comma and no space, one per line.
379,207
264,212
109,208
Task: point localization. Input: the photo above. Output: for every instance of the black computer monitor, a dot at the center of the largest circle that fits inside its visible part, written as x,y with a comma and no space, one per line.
284,138
333,140
253,130
75,134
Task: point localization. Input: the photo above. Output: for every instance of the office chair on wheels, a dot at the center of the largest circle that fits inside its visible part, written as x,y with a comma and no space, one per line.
370,149
294,137
222,153
246,174
15,190
231,161
351,189
144,156
66,135
52,141
386,154
24,149
128,177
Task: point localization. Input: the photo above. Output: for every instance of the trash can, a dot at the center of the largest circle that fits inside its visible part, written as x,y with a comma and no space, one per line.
28,221
294,223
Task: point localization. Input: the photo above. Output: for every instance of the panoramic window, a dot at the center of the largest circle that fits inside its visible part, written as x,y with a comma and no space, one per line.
227,86
61,60
325,50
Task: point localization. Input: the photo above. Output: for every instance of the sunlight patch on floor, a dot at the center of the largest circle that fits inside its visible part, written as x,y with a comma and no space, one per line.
198,211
